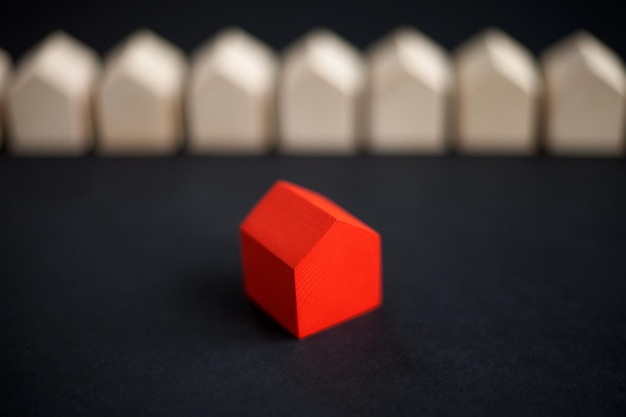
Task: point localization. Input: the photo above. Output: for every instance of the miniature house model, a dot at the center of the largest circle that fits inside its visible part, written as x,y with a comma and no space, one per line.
49,102
230,100
585,101
5,69
139,99
497,96
307,262
410,80
319,96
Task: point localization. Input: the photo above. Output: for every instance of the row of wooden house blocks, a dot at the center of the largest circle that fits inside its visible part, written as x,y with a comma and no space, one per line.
321,96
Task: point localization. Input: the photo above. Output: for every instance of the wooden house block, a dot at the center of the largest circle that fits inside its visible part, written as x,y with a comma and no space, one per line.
307,262
230,99
585,98
5,70
140,97
409,85
497,96
320,94
49,101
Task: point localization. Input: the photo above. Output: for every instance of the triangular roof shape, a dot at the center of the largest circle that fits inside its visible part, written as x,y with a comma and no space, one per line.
278,218
491,52
408,51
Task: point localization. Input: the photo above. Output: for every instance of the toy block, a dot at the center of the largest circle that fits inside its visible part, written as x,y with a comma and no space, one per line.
49,101
320,94
140,97
585,98
497,96
409,85
307,262
5,70
230,99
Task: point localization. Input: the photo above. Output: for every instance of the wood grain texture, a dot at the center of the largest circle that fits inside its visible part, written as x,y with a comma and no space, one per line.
140,97
320,96
49,100
307,262
498,87
409,85
230,96
586,98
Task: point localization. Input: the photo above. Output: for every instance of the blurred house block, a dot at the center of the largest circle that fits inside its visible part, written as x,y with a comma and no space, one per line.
409,84
586,90
230,99
49,102
497,96
5,70
140,97
320,96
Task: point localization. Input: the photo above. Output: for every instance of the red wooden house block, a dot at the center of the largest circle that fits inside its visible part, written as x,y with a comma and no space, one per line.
307,262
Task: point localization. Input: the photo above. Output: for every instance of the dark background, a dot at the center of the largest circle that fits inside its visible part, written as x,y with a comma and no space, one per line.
102,24
504,278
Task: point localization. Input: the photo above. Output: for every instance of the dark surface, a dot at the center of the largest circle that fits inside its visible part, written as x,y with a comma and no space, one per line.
504,280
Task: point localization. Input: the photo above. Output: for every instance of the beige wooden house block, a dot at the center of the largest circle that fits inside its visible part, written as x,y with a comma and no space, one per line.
230,96
5,72
585,100
320,96
497,96
409,84
49,101
140,97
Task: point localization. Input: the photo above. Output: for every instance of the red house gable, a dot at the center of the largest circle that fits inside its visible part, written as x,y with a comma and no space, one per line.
307,262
